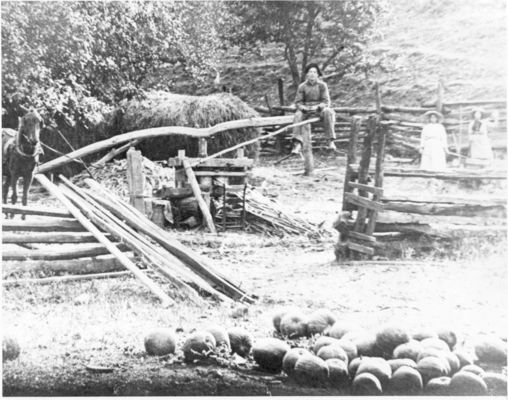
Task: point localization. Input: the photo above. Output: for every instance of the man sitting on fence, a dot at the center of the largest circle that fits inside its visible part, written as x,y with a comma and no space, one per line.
313,99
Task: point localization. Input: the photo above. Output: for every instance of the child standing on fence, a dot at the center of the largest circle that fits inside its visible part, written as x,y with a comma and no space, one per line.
433,143
312,99
479,143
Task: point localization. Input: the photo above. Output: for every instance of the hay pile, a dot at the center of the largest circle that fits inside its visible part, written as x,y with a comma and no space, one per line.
160,108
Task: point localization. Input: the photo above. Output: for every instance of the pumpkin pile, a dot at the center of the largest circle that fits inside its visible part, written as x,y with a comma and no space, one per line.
321,350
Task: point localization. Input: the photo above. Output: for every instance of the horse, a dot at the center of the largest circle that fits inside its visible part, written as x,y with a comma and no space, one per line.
20,154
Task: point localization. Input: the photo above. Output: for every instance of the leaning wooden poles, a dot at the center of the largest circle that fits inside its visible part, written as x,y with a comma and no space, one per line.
126,262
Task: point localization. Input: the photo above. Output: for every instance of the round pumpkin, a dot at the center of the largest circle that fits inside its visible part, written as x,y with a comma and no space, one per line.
340,328
269,353
10,349
434,343
332,351
406,381
319,320
349,347
354,364
490,349
293,325
496,383
475,369
396,363
465,383
311,370
430,352
220,335
453,361
240,340
366,345
448,336
465,357
378,367
160,342
438,386
366,384
410,350
290,358
323,341
424,333
389,337
338,372
431,367
278,314
198,346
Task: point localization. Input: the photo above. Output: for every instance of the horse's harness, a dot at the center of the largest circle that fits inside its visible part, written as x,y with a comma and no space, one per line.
37,149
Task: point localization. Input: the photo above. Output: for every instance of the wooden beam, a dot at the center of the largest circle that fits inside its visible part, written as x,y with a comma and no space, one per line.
351,159
254,122
136,179
115,152
219,173
308,157
362,236
214,163
378,178
251,141
360,248
465,210
126,262
76,266
31,210
49,225
280,84
67,278
199,197
364,202
366,188
51,254
48,237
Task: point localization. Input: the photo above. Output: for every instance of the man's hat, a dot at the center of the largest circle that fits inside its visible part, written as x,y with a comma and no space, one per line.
433,112
309,66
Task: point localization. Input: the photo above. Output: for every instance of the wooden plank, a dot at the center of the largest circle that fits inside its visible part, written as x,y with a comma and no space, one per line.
465,210
126,262
214,162
115,152
30,210
197,194
219,173
360,248
362,236
49,225
364,202
67,278
50,254
48,237
378,178
76,266
366,188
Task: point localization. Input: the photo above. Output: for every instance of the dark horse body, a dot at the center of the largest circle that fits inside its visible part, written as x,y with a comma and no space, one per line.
20,154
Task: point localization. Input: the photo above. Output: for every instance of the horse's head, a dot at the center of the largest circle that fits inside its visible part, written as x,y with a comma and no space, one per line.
30,126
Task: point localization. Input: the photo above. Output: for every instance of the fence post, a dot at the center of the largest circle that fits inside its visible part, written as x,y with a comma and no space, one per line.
136,179
351,159
307,150
440,93
202,147
378,98
280,83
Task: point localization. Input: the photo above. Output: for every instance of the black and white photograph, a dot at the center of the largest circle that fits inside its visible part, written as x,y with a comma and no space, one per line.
254,198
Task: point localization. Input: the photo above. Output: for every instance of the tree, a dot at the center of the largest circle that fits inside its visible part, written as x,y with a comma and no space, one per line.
332,33
57,53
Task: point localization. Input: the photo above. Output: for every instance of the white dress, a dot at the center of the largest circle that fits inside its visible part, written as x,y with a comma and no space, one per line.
480,147
433,144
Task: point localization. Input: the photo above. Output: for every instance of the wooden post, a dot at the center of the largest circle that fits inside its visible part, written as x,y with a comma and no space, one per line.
378,180
240,153
363,171
202,147
351,159
199,197
307,150
378,98
459,141
440,92
135,179
126,262
280,83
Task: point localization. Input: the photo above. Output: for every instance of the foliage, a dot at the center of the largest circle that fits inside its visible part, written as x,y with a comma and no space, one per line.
333,33
57,53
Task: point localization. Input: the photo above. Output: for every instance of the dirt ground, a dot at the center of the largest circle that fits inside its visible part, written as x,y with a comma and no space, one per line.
64,327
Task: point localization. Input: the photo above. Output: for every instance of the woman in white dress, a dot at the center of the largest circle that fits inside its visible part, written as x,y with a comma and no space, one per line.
433,143
479,143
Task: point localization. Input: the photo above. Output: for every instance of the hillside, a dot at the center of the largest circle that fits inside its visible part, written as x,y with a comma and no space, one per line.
462,42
